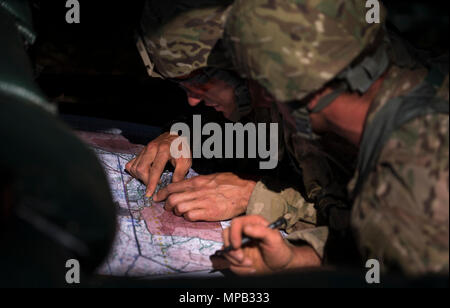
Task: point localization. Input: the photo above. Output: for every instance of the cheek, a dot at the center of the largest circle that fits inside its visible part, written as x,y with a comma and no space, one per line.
228,100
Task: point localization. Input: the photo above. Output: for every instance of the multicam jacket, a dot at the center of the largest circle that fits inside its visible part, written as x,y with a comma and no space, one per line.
400,213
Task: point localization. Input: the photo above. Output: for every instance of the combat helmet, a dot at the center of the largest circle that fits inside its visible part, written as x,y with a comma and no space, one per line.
294,48
184,43
192,41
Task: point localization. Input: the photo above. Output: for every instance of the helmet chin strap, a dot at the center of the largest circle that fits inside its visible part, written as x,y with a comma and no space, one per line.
357,78
328,99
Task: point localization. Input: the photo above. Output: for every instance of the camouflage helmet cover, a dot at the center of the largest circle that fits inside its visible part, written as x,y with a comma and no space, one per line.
294,47
185,42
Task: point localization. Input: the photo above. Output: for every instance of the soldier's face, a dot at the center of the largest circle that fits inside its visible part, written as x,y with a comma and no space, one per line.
215,93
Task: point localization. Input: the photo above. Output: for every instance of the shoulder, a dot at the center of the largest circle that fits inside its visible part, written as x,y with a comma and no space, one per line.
413,167
409,185
402,213
397,82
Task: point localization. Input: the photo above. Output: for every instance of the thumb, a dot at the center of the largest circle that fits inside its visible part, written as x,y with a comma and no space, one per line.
262,233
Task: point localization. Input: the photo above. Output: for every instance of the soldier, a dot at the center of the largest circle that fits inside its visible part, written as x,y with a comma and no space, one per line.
185,50
188,50
331,71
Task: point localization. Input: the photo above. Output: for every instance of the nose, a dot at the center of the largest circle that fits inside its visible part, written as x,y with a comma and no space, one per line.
193,101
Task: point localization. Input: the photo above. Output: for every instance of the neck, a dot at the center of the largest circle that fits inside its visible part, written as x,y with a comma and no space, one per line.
346,116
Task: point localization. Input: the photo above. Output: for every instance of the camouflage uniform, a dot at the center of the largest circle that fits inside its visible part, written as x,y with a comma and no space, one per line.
399,210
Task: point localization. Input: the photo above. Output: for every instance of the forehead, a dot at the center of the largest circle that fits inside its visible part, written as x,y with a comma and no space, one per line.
209,84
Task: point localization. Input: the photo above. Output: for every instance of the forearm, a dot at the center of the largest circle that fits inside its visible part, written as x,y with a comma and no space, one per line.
303,256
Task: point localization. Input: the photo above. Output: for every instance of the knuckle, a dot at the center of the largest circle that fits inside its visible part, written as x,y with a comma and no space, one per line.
195,181
164,147
177,211
262,220
190,216
141,170
199,181
163,158
171,200
180,208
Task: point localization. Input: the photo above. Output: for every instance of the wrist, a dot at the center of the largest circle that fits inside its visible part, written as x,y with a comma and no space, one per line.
248,191
303,256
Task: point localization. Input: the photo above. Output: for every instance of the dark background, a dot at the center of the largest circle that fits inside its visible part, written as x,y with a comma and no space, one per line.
93,68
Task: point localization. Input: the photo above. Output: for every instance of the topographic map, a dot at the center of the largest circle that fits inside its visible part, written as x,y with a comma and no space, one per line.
151,241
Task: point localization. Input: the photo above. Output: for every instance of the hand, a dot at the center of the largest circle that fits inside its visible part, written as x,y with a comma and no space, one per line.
269,253
213,197
149,165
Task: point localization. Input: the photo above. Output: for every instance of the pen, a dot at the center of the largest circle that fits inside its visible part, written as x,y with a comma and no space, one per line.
275,225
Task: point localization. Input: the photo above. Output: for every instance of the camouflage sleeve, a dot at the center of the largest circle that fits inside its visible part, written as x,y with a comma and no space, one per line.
401,217
315,237
302,215
272,205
